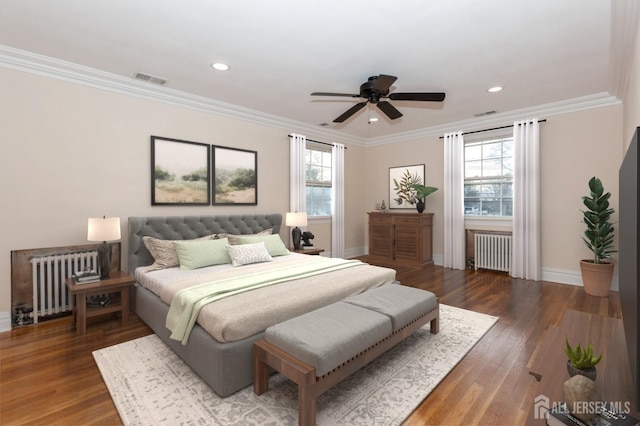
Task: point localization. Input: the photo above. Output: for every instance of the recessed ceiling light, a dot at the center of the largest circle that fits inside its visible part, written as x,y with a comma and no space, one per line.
494,89
220,66
373,119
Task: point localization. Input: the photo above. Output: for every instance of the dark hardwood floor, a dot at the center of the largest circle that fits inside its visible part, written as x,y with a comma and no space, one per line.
48,376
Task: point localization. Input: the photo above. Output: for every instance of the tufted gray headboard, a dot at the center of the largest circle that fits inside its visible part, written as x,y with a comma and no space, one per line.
189,227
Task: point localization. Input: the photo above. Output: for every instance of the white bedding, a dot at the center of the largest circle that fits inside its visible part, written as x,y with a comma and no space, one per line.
249,313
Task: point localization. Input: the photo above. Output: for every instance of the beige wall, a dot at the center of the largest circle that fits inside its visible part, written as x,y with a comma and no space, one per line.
632,96
574,147
72,152
428,151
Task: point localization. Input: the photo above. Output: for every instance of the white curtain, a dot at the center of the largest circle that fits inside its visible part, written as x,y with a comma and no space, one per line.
454,239
525,254
337,220
297,177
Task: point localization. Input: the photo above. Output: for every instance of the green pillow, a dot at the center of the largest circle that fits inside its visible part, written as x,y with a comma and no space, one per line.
198,254
273,243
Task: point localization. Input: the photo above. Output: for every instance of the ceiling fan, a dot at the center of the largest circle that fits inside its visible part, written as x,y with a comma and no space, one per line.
374,90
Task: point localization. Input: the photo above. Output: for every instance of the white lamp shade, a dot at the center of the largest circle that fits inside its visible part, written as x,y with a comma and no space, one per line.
103,229
295,219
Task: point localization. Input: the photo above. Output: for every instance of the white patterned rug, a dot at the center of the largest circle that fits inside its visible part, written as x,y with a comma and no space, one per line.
150,385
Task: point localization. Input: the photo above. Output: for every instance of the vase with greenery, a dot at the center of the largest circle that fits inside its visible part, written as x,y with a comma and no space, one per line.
581,360
422,192
597,272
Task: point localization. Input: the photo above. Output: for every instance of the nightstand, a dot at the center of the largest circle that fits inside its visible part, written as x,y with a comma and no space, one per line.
311,251
117,285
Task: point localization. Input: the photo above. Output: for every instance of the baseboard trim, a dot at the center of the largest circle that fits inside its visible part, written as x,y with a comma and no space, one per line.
554,275
5,321
568,276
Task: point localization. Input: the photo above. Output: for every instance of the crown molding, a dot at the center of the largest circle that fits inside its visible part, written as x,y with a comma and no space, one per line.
62,70
597,100
33,63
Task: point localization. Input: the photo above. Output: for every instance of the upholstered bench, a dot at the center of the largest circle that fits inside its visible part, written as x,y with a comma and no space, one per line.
319,349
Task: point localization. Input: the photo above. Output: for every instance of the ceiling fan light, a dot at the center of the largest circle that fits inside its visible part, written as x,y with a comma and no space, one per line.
220,66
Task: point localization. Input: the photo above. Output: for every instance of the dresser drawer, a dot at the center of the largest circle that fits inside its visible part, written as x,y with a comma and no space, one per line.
407,221
381,231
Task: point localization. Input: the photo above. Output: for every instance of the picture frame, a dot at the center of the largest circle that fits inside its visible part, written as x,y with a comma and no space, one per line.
235,176
401,196
180,172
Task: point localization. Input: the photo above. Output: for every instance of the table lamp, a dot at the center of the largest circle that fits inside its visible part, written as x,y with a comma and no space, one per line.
104,229
296,219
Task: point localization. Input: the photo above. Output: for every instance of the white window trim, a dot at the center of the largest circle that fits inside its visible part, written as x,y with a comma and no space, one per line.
319,220
318,147
473,220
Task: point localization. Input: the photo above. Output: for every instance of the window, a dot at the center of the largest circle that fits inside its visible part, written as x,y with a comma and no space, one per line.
488,178
318,180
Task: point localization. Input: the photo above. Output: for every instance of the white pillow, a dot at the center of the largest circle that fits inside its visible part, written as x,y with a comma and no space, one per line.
245,254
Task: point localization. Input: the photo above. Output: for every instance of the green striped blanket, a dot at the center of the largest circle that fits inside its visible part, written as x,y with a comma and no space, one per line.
187,303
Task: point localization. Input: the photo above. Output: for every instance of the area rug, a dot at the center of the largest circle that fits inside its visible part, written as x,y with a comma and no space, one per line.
150,385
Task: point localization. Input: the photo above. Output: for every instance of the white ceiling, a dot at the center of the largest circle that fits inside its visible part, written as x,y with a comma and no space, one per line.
542,52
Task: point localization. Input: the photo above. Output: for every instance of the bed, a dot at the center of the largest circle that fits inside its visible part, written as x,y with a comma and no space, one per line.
219,347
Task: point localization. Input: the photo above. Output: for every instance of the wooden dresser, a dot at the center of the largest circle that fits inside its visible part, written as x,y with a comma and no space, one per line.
403,239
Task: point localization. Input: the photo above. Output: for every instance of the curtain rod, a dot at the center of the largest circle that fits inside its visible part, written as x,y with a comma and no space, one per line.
493,128
323,143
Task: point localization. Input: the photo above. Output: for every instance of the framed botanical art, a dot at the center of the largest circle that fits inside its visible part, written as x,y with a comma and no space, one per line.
401,195
180,172
235,176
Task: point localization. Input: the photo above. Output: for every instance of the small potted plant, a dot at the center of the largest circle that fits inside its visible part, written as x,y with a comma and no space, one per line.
581,361
422,192
597,272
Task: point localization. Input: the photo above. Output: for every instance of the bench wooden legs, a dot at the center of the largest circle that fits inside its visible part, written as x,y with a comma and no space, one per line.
266,355
435,323
260,371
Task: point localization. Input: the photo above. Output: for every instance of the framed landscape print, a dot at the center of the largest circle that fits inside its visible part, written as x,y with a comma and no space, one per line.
235,176
180,172
401,195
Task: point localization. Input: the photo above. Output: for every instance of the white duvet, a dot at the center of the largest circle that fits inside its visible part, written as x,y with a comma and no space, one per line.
243,315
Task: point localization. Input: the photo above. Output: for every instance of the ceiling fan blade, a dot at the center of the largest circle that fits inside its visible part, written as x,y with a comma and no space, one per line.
357,107
383,83
389,110
429,97
349,95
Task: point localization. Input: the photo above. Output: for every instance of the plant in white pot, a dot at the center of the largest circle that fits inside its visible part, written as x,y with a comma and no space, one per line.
597,272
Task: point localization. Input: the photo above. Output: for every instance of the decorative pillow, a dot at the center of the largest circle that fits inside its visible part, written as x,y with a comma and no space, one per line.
245,254
164,253
233,237
198,254
273,242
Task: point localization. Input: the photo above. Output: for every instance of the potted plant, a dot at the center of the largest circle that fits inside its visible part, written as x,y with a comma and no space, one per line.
597,272
581,361
422,192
